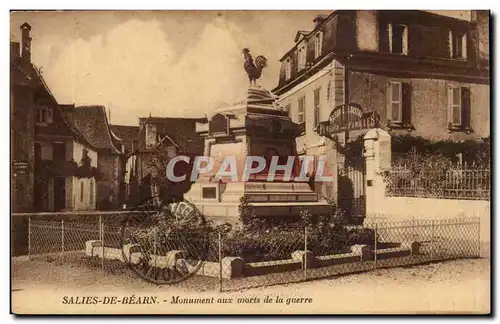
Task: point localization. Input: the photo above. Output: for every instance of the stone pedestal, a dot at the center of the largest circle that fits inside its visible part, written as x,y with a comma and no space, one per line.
377,143
254,127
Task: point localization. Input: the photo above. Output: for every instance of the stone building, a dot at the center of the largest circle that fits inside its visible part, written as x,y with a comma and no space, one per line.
93,123
158,139
22,120
55,167
409,72
128,136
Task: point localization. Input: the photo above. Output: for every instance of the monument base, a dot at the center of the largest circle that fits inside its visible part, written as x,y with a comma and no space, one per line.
220,201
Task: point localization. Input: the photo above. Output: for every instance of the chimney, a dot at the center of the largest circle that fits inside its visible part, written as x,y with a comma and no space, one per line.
26,43
318,20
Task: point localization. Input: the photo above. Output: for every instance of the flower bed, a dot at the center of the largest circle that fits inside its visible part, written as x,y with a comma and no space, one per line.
255,240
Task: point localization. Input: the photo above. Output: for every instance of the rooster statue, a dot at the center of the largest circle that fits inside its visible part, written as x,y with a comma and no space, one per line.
254,69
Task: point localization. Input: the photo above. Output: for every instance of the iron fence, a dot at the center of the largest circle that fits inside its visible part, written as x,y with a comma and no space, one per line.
232,261
456,182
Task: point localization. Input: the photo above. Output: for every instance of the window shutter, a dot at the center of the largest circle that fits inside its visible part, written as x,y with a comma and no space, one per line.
304,109
465,93
389,101
320,43
464,46
450,43
389,32
405,40
450,104
384,38
316,105
406,102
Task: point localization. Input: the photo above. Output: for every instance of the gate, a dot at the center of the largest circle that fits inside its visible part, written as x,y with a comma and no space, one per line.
351,176
351,190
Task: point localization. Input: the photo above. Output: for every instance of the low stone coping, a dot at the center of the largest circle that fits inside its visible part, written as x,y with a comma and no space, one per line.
260,268
326,260
393,253
235,267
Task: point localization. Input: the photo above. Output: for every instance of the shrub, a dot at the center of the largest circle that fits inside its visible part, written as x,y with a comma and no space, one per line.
257,240
267,240
364,236
477,152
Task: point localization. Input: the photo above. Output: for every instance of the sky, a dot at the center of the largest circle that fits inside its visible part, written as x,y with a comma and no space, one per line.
158,63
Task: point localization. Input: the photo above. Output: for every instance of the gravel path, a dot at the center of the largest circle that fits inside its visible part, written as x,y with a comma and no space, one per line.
460,286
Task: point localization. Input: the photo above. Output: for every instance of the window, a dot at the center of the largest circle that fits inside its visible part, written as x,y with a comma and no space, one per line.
302,56
398,39
301,111
455,106
44,115
316,105
91,199
288,69
318,44
458,45
395,103
399,104
458,108
81,191
328,89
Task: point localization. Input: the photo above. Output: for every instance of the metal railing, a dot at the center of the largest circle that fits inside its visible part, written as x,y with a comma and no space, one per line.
240,260
456,182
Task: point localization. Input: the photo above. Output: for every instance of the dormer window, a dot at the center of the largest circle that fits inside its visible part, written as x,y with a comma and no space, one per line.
288,69
458,45
44,115
302,50
398,39
318,44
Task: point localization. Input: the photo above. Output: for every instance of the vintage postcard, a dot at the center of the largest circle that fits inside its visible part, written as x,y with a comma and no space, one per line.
250,162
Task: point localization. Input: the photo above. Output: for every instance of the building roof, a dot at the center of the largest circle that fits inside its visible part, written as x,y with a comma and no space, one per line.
387,63
92,122
20,77
30,75
418,14
165,119
126,135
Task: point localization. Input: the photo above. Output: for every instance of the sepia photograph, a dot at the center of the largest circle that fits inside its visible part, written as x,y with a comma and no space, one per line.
175,162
